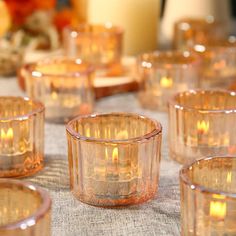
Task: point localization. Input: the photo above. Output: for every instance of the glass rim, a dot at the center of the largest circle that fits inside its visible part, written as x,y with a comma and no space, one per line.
39,109
156,54
186,180
155,132
44,207
107,25
172,101
55,60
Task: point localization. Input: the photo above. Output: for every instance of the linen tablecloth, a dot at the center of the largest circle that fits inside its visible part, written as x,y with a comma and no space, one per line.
160,216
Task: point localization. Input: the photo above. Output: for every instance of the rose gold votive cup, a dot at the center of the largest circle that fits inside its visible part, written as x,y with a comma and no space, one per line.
191,31
114,158
208,197
100,45
218,63
65,86
202,123
24,209
21,136
162,74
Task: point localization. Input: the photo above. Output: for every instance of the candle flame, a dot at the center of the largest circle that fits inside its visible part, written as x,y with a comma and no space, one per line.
202,127
229,177
218,209
166,82
115,155
7,135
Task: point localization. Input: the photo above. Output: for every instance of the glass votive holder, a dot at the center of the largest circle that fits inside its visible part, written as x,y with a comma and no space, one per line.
21,136
202,123
100,45
65,86
191,31
162,74
218,63
114,159
208,197
24,209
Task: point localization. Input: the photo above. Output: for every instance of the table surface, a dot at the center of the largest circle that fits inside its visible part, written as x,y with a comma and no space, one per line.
160,216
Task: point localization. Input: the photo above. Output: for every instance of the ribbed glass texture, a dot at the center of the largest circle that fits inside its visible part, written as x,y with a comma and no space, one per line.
114,159
189,32
162,74
64,86
208,197
25,209
202,123
218,63
21,136
100,45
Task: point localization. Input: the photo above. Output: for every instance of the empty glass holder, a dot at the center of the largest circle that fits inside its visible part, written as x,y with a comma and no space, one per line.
21,136
202,123
114,158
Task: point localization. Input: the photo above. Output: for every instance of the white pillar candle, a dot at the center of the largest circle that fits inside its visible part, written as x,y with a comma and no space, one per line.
138,18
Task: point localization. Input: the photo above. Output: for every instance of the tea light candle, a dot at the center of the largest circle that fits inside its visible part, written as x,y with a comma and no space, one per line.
65,86
119,156
208,198
162,74
201,123
21,136
25,209
138,18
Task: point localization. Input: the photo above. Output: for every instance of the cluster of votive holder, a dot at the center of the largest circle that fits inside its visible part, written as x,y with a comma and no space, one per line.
114,158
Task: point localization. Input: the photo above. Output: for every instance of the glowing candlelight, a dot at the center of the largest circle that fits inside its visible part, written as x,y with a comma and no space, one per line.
166,82
218,209
7,138
203,127
115,155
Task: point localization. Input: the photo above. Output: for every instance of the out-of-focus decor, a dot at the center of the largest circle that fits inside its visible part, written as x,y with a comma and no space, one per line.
138,18
176,10
218,63
100,45
21,136
162,74
114,158
191,31
208,199
5,18
65,87
202,123
25,209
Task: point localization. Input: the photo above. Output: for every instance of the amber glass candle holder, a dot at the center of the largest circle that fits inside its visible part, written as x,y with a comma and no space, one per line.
208,197
191,31
24,209
100,45
218,63
65,86
202,123
114,159
162,74
21,136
